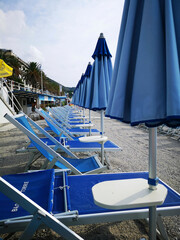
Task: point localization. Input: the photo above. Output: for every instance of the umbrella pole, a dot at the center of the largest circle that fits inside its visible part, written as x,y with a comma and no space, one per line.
102,133
89,122
152,179
152,158
83,115
152,223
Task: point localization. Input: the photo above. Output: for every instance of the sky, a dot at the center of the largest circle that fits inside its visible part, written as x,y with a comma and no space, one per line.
61,35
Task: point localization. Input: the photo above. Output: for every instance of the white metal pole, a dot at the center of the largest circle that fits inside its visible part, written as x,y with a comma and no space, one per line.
83,115
152,223
102,133
152,156
152,179
90,122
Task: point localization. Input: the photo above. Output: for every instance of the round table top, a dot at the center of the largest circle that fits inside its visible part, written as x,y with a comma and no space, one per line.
84,125
99,138
127,193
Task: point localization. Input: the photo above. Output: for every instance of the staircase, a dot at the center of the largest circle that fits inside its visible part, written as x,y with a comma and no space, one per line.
8,102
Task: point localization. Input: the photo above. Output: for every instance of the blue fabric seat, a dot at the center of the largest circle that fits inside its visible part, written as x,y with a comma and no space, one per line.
52,187
72,162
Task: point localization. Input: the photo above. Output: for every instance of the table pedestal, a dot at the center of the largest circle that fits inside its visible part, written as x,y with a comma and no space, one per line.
130,193
100,139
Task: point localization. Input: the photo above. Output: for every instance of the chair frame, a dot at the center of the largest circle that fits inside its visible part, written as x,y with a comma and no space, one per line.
73,218
58,145
40,216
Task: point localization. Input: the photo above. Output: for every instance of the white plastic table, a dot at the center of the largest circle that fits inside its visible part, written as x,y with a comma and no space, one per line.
100,139
77,118
130,193
88,125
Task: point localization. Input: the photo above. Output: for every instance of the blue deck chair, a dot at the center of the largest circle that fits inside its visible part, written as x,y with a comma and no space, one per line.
69,114
59,129
74,205
31,202
64,122
76,165
73,143
65,117
76,146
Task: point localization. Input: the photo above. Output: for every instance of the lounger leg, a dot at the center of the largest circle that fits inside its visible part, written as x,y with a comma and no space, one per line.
152,223
52,163
44,166
32,227
161,228
32,159
107,160
102,153
40,218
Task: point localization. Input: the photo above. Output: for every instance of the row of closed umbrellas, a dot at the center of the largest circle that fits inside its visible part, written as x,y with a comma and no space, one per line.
145,84
93,88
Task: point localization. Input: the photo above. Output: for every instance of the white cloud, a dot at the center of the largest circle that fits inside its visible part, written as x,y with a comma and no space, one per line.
34,55
60,34
12,22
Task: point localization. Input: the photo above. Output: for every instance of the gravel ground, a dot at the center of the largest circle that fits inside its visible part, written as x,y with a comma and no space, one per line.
134,157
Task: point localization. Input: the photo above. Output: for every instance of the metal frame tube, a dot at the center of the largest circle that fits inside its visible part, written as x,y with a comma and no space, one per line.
152,223
152,154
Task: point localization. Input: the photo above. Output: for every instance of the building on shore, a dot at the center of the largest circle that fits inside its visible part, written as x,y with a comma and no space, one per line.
16,97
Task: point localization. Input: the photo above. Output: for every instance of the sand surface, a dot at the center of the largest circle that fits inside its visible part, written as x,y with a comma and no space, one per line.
133,157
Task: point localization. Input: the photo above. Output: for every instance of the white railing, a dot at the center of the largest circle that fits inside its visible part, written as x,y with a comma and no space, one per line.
25,87
21,86
8,97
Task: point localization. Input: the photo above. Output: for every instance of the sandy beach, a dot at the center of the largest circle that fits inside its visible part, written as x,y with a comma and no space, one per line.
133,157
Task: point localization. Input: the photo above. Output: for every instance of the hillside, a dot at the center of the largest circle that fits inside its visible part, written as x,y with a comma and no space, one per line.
53,86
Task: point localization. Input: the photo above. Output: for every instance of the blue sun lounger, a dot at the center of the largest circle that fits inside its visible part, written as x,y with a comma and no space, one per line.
69,115
78,166
74,205
64,122
70,145
78,131
21,198
77,146
59,129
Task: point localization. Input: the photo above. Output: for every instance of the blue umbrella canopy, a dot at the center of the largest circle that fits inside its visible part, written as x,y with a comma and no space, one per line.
74,98
100,78
145,85
86,84
81,90
146,79
77,92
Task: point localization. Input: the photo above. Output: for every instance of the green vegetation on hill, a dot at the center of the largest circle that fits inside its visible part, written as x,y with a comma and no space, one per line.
31,73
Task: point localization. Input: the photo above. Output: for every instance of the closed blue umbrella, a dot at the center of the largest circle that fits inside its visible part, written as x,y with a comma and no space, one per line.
86,84
86,89
74,98
81,89
81,94
100,80
146,79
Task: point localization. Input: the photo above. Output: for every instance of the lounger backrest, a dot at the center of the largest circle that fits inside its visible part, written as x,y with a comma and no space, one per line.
55,130
23,121
31,184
